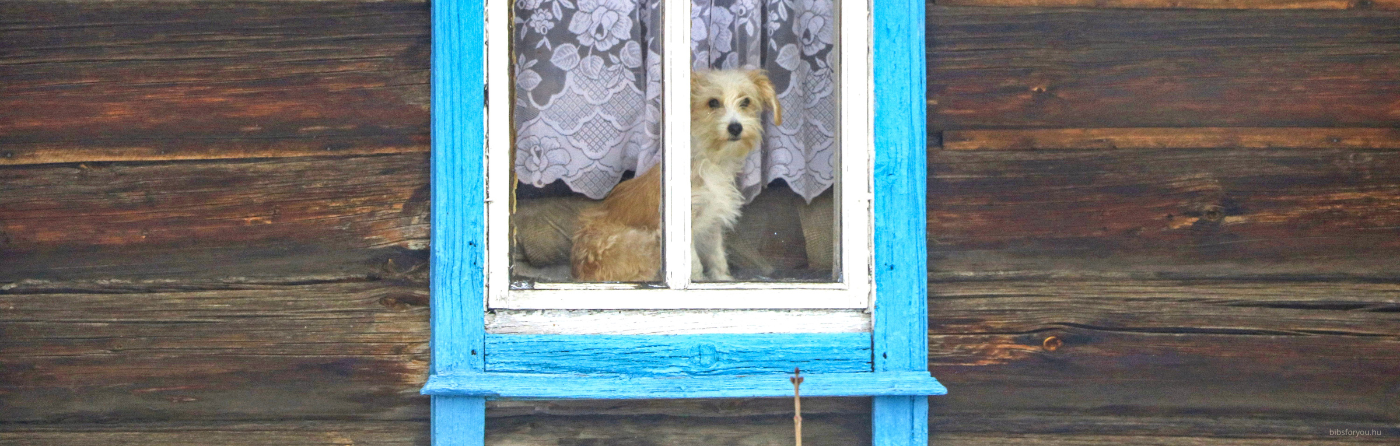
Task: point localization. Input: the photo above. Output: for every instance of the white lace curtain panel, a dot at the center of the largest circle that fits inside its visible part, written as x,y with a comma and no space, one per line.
588,87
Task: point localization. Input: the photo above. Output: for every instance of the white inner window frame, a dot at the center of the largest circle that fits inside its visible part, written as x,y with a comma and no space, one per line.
853,195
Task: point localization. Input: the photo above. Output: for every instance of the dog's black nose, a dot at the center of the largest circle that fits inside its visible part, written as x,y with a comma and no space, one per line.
735,128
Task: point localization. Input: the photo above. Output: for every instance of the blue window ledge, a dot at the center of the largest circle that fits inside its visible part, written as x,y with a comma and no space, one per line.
601,387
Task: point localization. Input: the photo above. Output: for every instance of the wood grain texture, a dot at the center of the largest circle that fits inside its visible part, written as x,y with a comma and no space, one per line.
620,386
519,431
316,351
1312,352
1173,138
1164,213
1166,428
593,430
458,251
899,179
1111,440
1276,362
1181,4
899,245
280,220
676,431
687,355
710,407
1006,68
458,421
155,81
264,433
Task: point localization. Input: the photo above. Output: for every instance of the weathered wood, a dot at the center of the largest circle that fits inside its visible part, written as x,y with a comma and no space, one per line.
549,431
1308,351
708,354
147,81
1321,350
710,407
1172,138
1169,426
317,218
458,265
263,433
1182,4
1171,363
616,386
997,68
587,431
1114,440
898,241
1200,213
320,351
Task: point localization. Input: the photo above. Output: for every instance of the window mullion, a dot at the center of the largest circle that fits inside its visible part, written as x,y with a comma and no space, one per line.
498,150
675,145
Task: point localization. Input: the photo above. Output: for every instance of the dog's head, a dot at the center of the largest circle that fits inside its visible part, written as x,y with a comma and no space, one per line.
726,109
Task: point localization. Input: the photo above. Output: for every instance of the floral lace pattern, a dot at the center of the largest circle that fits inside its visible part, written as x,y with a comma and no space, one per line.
588,87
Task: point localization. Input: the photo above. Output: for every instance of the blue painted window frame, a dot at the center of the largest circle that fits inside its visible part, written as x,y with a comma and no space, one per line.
889,364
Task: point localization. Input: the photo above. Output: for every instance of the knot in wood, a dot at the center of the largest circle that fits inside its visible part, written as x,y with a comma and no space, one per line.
706,355
1052,343
1213,213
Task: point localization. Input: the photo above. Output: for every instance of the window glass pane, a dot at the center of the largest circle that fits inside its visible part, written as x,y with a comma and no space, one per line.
787,176
586,118
587,121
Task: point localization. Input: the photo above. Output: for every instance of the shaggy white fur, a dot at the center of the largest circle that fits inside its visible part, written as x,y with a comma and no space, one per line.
620,240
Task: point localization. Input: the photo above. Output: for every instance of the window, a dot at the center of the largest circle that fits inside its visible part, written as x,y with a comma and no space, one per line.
593,94
494,337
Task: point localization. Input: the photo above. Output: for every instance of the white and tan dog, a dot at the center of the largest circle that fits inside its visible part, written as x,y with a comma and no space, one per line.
620,240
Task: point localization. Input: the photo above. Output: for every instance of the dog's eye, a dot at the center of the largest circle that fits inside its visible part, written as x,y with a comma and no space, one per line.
744,103
714,103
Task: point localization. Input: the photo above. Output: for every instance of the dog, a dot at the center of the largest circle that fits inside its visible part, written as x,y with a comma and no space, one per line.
620,240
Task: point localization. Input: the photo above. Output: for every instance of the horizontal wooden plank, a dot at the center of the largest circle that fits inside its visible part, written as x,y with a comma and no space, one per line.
950,419
519,431
1135,358
264,433
1310,352
1172,138
1164,213
1113,440
316,351
143,81
579,431
235,148
290,219
1182,4
709,407
613,386
630,431
1000,68
1165,426
690,355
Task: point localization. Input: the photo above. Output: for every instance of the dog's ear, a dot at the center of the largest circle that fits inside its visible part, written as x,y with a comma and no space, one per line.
697,81
767,94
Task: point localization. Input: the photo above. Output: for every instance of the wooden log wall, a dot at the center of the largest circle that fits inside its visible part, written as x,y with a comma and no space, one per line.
1150,222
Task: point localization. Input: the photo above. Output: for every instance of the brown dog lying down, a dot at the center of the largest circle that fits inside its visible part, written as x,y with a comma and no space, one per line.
620,240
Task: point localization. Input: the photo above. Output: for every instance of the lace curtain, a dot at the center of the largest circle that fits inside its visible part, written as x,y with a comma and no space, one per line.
588,92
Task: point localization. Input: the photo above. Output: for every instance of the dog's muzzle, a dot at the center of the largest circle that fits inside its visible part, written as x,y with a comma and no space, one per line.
734,130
